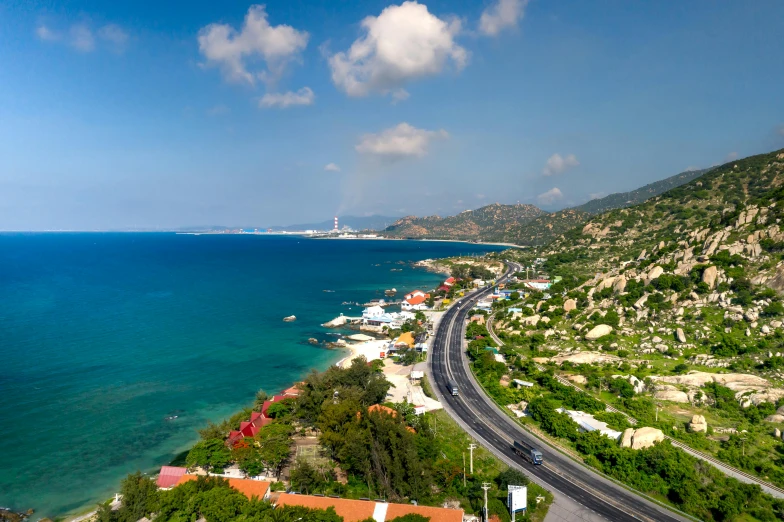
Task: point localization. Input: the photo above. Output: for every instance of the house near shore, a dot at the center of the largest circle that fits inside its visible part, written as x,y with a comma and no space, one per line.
259,419
372,312
415,301
358,510
259,489
169,476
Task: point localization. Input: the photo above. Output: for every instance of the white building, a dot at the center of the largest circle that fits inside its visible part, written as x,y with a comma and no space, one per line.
372,312
588,423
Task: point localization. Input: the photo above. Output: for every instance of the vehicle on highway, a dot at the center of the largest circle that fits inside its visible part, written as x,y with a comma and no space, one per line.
528,452
452,387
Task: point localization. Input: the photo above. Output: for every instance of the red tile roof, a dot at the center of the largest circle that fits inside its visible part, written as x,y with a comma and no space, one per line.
169,476
350,510
358,510
249,488
417,299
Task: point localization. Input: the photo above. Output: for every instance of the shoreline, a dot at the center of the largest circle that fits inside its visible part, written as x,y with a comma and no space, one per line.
370,349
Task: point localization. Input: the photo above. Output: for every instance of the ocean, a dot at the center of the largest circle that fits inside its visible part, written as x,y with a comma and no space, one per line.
105,337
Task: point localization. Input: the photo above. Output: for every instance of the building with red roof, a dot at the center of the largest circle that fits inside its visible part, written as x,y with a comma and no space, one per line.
250,488
358,510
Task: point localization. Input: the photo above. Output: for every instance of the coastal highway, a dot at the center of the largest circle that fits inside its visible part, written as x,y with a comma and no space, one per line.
482,418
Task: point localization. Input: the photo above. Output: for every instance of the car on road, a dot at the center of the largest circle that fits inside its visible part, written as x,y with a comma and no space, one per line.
452,388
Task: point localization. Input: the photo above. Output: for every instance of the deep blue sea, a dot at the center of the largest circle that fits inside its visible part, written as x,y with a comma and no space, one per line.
104,336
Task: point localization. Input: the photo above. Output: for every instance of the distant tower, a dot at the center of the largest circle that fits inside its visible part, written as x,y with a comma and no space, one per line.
336,223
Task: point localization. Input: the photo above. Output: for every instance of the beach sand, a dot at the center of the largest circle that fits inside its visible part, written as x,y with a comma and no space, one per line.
370,349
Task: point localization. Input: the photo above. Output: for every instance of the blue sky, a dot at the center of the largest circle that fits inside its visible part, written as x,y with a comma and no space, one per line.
165,114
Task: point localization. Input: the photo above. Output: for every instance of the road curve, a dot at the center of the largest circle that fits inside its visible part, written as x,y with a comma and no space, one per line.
474,410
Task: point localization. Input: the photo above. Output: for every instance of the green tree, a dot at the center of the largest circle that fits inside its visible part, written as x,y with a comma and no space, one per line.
209,454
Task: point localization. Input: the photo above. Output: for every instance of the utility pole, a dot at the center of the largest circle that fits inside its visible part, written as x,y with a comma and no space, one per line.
471,448
486,513
464,476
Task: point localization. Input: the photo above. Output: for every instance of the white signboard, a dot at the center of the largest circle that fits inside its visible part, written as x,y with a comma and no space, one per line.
517,498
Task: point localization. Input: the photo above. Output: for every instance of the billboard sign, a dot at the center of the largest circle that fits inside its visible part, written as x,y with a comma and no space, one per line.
517,498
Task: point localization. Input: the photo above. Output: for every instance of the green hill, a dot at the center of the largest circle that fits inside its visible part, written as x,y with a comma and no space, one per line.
525,225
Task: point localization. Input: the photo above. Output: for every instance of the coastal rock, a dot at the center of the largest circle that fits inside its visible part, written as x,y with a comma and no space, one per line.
290,318
313,341
569,305
337,322
698,424
679,335
598,332
709,276
646,437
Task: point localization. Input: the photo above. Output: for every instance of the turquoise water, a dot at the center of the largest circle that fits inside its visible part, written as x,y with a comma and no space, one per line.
104,336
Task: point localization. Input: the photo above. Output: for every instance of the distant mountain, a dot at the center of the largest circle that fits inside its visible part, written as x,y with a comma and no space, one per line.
355,222
635,197
528,225
486,223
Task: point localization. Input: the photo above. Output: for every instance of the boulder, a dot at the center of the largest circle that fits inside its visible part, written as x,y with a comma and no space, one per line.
654,273
679,335
656,339
646,437
698,424
626,438
776,417
569,305
670,393
619,285
530,321
777,433
313,340
765,329
709,276
606,283
640,302
751,316
598,332
290,318
336,322
577,379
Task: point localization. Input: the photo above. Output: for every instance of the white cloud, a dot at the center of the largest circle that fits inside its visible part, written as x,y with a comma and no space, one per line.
228,49
557,164
331,167
81,38
549,197
46,34
283,100
218,110
731,156
398,142
403,43
501,15
114,34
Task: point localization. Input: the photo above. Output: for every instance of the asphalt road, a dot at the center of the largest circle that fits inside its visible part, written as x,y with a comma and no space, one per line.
491,426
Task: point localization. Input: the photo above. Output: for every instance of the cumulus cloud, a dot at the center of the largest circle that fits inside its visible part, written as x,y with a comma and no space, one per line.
503,14
82,38
557,164
229,49
114,34
283,100
331,167
403,43
398,142
46,34
549,197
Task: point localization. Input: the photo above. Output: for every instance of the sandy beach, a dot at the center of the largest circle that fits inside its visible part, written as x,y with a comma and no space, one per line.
370,349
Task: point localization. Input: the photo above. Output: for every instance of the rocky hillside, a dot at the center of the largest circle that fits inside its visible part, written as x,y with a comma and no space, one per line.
488,223
526,224
640,195
681,297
